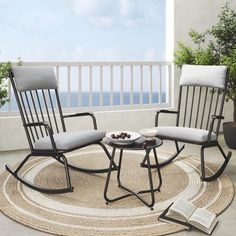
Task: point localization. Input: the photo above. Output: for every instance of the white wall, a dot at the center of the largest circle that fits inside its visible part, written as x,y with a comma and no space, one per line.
12,134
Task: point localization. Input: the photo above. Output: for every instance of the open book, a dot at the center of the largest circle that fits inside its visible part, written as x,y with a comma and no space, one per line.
187,214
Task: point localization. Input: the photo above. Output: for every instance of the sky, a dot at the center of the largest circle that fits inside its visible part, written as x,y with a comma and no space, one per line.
82,30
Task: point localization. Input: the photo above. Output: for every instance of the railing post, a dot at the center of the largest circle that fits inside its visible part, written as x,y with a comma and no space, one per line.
68,86
131,84
79,87
121,85
90,85
150,84
111,85
169,85
101,86
160,85
57,76
141,83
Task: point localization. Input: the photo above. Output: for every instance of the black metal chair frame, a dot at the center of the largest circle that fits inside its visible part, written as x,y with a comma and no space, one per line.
211,111
31,107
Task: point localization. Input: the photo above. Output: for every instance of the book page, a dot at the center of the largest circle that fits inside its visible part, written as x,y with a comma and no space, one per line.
182,207
203,217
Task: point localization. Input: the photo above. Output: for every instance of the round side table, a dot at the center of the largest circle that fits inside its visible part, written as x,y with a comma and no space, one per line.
140,144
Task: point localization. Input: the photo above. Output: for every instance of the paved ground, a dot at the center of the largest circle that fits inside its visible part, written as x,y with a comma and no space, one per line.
227,219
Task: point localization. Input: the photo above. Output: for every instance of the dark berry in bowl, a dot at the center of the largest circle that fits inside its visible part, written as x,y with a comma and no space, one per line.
122,135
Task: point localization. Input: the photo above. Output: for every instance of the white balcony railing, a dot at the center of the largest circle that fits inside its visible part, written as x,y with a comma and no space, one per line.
108,85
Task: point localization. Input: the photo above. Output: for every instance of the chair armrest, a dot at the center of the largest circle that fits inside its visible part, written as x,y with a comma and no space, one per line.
83,114
47,127
163,111
33,124
213,118
167,111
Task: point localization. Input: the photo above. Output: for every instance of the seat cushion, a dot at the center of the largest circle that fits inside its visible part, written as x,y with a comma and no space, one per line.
184,133
69,140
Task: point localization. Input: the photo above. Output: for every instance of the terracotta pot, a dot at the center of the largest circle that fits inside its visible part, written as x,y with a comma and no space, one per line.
229,129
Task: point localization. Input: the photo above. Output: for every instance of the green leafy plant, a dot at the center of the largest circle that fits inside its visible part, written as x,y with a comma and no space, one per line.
5,68
215,46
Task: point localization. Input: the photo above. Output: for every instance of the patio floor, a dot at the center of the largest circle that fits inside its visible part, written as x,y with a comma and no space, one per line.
226,219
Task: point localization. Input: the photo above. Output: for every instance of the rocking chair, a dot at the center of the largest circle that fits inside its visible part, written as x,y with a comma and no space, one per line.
199,113
37,96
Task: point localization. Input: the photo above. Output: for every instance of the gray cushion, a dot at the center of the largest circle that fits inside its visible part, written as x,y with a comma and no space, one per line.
34,77
183,133
69,140
210,76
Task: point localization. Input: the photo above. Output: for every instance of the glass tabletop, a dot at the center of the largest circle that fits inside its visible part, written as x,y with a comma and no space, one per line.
139,144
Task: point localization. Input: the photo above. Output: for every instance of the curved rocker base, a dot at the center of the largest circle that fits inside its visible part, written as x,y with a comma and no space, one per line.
37,188
89,171
220,170
166,162
203,177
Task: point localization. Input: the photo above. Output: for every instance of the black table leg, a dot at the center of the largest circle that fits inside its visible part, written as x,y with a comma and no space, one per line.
119,167
150,180
151,190
158,169
118,179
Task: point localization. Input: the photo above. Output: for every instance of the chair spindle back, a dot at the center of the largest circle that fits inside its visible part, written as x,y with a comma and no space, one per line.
38,101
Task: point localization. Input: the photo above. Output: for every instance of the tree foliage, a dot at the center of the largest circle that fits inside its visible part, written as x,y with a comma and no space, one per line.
5,68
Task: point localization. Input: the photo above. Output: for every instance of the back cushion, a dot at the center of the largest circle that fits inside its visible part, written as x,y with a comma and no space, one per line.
199,75
34,77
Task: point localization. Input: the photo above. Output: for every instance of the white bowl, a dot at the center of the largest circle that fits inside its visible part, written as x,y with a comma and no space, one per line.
133,136
149,133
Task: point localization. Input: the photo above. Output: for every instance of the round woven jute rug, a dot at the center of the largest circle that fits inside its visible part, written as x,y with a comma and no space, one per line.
84,211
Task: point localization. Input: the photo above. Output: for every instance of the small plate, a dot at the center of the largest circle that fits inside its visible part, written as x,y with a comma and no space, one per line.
149,134
133,136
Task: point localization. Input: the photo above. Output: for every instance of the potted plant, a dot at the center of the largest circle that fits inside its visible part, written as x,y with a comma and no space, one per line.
4,73
216,46
229,128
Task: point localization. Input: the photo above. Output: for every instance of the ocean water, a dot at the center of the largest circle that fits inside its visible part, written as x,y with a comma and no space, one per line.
74,99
